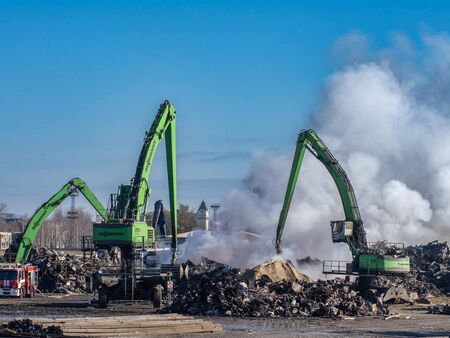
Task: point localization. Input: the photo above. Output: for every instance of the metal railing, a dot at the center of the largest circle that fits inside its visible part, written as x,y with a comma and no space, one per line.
337,267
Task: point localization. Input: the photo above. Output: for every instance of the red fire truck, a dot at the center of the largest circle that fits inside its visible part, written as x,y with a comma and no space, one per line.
18,280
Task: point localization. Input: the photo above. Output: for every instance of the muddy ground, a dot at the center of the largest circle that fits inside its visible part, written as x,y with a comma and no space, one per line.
413,320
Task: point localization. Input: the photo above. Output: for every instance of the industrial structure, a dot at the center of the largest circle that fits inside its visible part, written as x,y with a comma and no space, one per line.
215,223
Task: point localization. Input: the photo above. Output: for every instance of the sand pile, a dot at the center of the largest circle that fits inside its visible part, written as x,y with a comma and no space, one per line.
276,271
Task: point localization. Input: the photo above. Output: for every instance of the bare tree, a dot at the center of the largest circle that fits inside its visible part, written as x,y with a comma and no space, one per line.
186,221
2,220
185,217
55,231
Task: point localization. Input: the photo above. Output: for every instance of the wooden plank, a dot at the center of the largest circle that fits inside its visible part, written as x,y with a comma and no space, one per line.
103,329
129,325
141,328
124,320
147,333
166,331
137,317
108,319
132,325
116,322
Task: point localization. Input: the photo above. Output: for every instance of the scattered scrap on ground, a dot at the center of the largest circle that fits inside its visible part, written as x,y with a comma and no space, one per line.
62,273
22,326
443,309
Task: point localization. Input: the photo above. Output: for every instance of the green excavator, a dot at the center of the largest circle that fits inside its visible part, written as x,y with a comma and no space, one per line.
124,233
369,260
126,226
19,252
128,236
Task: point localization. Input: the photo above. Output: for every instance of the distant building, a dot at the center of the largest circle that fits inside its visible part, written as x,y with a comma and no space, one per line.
5,240
10,217
202,216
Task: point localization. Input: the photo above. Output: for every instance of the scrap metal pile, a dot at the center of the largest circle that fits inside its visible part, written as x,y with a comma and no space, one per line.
416,289
63,272
26,326
217,289
430,275
431,264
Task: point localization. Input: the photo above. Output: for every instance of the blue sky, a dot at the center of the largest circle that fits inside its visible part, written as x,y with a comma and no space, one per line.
80,83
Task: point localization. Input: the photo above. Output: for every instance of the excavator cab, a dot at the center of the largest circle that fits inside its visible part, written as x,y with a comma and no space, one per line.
117,202
341,230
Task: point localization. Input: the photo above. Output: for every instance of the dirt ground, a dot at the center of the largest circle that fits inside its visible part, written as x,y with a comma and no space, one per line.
412,320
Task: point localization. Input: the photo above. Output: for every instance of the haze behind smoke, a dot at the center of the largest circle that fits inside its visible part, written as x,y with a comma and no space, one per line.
385,115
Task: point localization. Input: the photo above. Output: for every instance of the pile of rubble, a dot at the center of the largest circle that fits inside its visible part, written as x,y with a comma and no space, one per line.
26,326
430,275
415,288
64,272
217,289
431,264
308,261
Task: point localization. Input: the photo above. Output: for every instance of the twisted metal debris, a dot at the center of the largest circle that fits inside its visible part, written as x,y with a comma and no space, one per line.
219,290
27,326
64,272
431,264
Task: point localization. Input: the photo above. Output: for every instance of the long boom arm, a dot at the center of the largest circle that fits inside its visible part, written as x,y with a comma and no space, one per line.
308,139
44,211
163,127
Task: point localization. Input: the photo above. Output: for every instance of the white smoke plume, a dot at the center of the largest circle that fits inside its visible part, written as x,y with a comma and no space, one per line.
385,115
